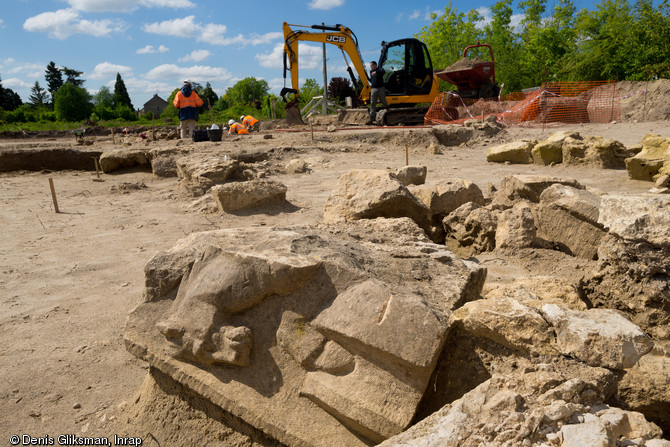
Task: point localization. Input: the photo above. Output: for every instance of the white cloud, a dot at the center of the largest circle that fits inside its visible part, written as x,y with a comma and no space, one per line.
26,70
485,12
185,27
149,49
515,20
145,89
197,73
167,3
15,83
66,22
32,70
109,70
276,84
125,5
196,56
211,33
274,59
325,4
310,57
262,39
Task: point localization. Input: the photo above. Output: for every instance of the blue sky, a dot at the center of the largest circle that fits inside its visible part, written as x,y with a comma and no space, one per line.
156,44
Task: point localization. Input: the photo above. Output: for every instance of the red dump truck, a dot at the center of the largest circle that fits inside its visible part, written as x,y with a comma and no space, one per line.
475,78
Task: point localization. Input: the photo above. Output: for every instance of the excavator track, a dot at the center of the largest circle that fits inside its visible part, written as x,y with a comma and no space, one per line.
395,116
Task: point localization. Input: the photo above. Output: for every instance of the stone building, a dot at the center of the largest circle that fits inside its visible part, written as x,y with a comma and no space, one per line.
155,105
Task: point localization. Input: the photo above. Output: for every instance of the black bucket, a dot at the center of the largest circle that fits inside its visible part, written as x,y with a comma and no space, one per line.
214,134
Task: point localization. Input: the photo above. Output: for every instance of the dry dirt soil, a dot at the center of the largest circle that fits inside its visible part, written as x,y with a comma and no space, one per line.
69,279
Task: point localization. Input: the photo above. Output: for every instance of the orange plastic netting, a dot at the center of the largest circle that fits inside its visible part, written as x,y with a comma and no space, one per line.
556,102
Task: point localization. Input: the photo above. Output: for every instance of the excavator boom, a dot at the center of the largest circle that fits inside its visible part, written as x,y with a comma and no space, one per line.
337,35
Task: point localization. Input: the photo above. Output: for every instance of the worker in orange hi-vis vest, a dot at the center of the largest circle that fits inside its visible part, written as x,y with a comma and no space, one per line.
250,123
187,102
237,128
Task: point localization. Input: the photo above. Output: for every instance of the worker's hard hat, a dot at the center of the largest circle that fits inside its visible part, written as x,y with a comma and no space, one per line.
230,123
242,117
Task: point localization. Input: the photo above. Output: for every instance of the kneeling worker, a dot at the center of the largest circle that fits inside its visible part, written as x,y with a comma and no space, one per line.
237,128
250,123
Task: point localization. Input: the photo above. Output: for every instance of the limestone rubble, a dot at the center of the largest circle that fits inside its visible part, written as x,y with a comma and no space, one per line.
367,323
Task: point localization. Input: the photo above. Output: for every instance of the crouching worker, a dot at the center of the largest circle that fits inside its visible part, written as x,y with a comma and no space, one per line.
187,101
251,123
237,128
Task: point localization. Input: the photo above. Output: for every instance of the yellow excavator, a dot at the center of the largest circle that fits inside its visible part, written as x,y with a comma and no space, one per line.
408,76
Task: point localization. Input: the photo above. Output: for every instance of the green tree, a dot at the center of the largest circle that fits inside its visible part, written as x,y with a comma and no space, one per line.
449,34
208,93
121,97
103,103
309,90
652,31
548,44
247,91
171,111
9,99
607,46
39,96
339,88
54,79
500,34
104,97
72,76
221,104
72,103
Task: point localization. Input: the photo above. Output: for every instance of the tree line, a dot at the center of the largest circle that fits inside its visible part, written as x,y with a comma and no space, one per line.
618,40
63,98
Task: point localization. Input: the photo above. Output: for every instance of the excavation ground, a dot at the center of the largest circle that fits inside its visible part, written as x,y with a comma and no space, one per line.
69,279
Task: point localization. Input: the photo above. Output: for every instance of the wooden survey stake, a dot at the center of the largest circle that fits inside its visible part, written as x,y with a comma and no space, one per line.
97,166
53,194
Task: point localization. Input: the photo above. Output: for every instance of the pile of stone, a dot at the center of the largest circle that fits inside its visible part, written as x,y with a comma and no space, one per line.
350,332
567,147
649,160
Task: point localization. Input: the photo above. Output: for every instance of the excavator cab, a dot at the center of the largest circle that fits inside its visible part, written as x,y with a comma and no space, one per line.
409,69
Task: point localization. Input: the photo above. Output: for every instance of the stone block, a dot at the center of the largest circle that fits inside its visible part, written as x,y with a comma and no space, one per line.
514,152
598,337
412,175
569,217
238,196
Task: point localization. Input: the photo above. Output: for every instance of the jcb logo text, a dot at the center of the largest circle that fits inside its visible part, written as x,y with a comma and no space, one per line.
336,39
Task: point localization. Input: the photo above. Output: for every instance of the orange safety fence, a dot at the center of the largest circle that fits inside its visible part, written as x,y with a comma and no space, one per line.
555,102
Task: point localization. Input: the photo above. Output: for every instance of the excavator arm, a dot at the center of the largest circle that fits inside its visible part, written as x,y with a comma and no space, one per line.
409,76
337,35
